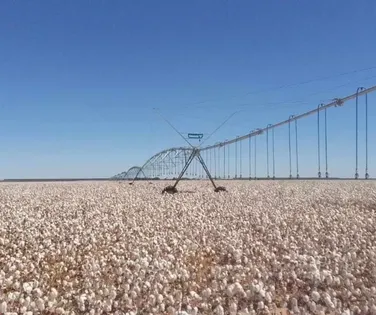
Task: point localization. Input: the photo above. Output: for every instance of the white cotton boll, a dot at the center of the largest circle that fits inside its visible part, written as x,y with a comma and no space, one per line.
133,294
38,292
194,311
206,293
268,297
40,304
3,307
219,310
315,296
112,294
312,307
170,299
159,298
27,287
328,300
249,294
152,300
260,305
53,294
233,308
170,310
372,309
230,290
346,312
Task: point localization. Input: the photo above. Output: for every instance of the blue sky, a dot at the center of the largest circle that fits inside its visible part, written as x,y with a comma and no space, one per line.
79,79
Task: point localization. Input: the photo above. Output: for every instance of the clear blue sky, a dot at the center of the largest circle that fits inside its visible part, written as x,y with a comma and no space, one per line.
79,79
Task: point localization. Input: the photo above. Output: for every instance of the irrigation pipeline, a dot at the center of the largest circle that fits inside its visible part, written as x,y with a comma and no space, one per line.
335,103
164,162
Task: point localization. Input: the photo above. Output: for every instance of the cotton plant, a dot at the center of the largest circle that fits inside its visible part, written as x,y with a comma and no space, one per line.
97,248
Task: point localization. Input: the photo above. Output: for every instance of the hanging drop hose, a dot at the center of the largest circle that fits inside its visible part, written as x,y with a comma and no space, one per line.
267,152
296,149
366,175
249,158
210,161
215,164
273,153
228,161
224,162
240,159
219,162
318,142
290,144
236,159
326,146
356,132
255,157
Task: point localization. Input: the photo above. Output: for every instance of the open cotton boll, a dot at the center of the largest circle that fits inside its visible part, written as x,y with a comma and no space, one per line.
122,247
3,307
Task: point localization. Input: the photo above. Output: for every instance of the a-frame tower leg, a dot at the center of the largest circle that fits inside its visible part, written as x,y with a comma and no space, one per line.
195,153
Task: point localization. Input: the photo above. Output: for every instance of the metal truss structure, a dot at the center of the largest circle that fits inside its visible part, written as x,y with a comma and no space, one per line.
168,163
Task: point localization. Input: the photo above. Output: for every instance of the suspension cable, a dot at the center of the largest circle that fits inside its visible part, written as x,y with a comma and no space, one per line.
366,175
296,149
326,146
318,142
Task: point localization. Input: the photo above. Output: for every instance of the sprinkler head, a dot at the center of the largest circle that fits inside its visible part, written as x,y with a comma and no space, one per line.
170,190
130,183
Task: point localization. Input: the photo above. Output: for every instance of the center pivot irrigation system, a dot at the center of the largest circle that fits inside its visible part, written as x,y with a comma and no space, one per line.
195,154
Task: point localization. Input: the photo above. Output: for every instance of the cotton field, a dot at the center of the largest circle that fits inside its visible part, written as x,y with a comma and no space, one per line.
112,248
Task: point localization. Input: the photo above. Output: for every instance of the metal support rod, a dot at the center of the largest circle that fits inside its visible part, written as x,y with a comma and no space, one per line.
296,149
